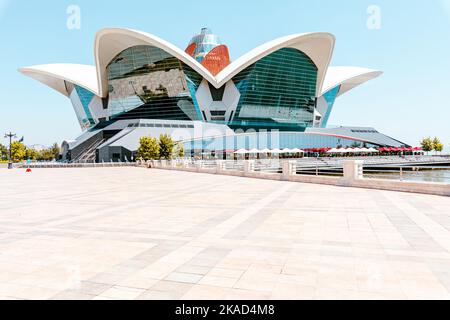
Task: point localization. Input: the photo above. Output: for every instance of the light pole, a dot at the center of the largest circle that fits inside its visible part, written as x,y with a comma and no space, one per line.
10,135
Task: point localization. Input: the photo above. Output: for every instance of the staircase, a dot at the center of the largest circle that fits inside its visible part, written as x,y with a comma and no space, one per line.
88,155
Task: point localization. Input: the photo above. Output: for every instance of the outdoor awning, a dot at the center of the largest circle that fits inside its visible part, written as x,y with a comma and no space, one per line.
241,151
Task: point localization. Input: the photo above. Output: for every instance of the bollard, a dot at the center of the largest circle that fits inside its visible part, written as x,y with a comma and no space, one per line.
353,170
289,168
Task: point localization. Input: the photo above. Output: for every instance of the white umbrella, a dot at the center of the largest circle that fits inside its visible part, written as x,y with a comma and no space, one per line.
264,151
254,150
296,150
373,150
241,151
276,151
286,150
334,150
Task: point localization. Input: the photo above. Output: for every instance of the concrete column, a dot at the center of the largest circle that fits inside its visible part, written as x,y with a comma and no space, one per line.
220,166
289,168
249,166
353,170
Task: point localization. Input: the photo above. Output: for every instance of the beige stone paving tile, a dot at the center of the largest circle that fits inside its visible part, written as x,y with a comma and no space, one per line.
234,263
123,293
11,289
194,269
218,281
139,282
171,286
225,272
9,276
242,294
91,288
107,278
72,295
160,295
266,268
293,291
36,293
104,298
206,292
184,277
306,279
257,281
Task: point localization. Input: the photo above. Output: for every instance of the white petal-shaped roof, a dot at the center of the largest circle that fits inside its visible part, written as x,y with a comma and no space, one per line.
348,78
318,46
54,75
112,41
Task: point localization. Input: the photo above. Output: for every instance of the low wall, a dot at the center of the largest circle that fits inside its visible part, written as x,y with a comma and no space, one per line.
352,178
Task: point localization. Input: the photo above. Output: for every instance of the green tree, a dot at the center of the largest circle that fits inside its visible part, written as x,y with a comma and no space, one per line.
437,145
166,145
148,148
55,151
178,150
427,144
4,152
31,153
18,151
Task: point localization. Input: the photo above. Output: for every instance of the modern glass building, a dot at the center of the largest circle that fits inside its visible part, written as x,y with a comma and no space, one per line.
281,94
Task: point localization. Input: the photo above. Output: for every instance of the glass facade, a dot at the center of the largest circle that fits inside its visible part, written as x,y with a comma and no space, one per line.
277,92
81,99
270,140
330,98
146,82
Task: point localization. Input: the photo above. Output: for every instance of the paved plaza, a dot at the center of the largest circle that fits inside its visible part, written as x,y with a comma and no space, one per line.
133,233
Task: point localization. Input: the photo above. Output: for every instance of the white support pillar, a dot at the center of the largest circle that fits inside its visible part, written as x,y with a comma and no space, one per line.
289,168
199,164
220,166
353,170
249,166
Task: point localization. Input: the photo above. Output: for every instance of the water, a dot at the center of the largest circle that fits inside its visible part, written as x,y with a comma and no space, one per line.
442,176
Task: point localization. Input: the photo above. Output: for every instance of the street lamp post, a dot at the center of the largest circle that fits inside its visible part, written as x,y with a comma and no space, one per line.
10,136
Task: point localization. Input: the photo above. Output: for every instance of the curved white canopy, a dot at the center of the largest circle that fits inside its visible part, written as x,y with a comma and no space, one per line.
112,41
317,46
54,75
348,78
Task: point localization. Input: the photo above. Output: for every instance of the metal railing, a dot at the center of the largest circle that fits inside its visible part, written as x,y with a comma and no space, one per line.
430,173
274,166
48,165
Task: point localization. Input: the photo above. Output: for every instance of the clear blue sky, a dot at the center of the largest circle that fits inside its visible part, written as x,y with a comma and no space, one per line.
412,47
